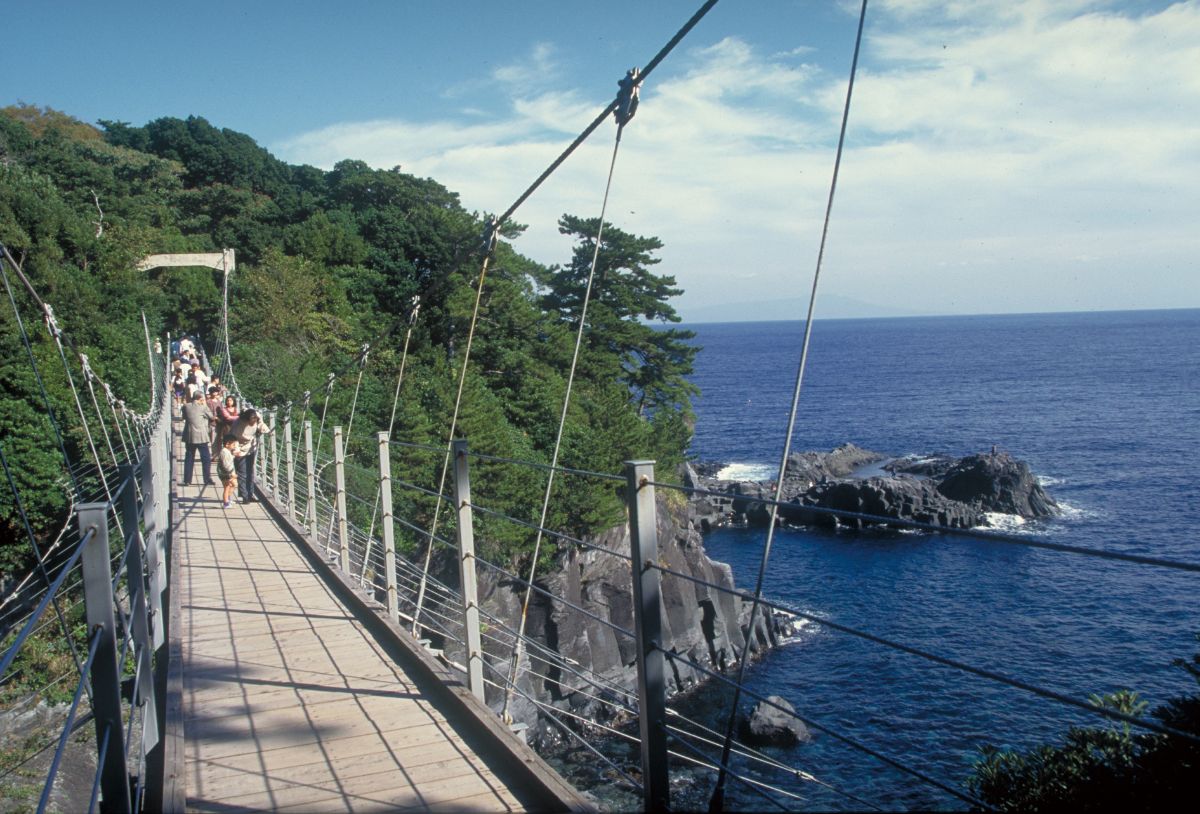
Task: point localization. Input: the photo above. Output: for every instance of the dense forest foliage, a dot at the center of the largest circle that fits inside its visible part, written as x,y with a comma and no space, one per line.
327,261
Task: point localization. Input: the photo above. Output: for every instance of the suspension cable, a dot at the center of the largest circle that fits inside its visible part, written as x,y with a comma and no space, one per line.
716,802
612,106
36,370
562,418
490,237
364,352
55,331
324,409
88,375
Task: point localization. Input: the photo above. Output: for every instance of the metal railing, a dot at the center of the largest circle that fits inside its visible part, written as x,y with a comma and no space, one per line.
117,568
443,606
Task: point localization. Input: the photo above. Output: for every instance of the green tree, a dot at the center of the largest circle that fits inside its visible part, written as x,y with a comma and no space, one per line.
1110,768
653,363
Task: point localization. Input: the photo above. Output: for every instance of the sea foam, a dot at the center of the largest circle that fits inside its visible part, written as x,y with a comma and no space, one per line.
741,471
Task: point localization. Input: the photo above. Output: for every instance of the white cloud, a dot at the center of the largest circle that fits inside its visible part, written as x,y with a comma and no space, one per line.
1001,156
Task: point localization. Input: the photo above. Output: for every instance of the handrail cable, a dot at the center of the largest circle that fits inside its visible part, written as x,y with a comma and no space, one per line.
761,757
716,802
11,653
699,757
560,661
67,726
101,756
552,713
37,554
53,550
943,660
556,534
536,465
607,623
833,733
973,532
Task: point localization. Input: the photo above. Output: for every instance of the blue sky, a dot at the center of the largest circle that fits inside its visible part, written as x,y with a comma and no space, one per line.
1003,156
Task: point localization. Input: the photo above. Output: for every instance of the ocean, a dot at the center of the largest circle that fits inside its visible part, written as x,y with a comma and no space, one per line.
1105,408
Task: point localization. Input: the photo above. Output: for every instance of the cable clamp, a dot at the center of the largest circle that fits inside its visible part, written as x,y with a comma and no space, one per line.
490,234
627,96
51,322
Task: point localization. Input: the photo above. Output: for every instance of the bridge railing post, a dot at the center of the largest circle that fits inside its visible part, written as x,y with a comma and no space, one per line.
135,580
339,464
290,462
310,508
388,527
274,456
647,622
260,458
105,673
154,519
466,569
157,520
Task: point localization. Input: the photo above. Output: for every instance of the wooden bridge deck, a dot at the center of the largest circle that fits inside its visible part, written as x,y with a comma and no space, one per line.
289,702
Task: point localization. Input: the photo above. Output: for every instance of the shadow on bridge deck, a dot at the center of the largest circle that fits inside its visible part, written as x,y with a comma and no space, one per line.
292,702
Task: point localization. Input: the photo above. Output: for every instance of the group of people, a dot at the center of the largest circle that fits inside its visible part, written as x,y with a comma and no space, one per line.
214,427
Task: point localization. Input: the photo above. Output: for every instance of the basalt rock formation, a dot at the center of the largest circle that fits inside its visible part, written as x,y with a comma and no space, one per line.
934,490
577,651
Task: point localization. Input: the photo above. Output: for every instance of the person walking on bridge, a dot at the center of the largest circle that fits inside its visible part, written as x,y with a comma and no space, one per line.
196,421
247,430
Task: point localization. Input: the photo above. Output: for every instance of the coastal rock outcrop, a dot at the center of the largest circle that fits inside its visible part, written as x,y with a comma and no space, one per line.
768,725
901,498
936,490
996,482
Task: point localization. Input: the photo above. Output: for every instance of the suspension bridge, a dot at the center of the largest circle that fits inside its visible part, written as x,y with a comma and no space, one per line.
286,654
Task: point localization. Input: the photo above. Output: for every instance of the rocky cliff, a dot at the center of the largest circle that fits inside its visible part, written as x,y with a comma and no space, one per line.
705,625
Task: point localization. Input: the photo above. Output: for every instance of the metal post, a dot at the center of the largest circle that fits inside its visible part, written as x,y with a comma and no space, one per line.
274,456
154,518
310,510
106,677
260,457
466,569
388,526
339,467
647,621
291,465
135,580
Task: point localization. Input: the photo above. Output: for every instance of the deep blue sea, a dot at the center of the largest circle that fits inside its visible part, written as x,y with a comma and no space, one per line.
1105,408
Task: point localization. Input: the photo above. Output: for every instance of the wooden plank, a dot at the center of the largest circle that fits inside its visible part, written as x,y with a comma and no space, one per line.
289,703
